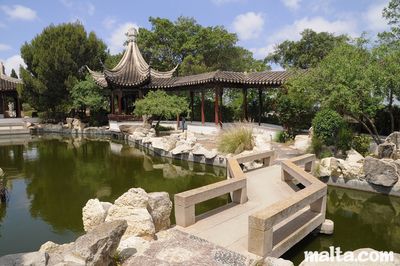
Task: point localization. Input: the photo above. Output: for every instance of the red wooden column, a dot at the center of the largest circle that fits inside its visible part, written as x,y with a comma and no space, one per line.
191,105
216,106
120,103
203,120
260,107
244,91
221,92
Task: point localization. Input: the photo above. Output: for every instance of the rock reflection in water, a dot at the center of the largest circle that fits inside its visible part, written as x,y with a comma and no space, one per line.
51,179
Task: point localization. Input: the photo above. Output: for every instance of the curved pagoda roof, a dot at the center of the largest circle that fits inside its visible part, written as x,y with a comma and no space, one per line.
132,70
7,83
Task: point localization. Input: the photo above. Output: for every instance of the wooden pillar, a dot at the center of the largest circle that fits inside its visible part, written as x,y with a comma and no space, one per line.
120,103
177,121
221,92
17,107
191,105
112,103
216,106
203,119
244,91
260,107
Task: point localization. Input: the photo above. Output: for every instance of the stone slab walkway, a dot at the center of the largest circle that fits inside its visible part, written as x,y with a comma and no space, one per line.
177,248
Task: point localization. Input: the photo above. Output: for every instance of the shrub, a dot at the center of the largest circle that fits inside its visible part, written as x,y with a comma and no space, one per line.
326,126
236,139
361,144
283,137
344,139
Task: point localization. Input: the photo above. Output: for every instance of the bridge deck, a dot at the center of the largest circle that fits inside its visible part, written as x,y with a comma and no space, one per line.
228,226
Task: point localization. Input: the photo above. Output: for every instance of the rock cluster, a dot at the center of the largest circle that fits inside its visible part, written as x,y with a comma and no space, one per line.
176,143
382,171
96,248
145,213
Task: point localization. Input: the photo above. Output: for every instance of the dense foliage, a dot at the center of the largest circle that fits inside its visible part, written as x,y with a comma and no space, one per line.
195,48
326,125
160,105
53,59
86,94
307,52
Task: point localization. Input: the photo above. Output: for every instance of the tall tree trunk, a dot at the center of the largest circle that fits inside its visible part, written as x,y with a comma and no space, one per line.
390,109
373,133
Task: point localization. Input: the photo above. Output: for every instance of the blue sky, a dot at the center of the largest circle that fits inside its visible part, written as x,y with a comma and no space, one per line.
260,24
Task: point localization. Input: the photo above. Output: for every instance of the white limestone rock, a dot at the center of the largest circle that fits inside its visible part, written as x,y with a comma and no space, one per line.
26,259
354,156
271,261
199,150
48,246
164,143
182,148
134,197
132,246
302,142
381,172
140,222
93,214
160,207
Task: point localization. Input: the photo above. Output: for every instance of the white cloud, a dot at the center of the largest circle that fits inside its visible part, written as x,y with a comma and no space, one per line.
80,6
373,17
118,37
249,25
19,12
109,23
292,4
318,24
13,62
4,47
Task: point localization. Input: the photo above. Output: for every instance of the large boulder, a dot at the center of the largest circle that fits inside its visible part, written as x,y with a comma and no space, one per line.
93,214
26,259
164,143
127,129
350,170
132,246
96,248
135,197
140,222
199,150
271,261
354,156
380,172
182,148
386,150
394,138
302,142
330,167
160,207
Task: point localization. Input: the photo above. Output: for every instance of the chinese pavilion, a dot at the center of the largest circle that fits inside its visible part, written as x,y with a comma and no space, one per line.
9,95
132,77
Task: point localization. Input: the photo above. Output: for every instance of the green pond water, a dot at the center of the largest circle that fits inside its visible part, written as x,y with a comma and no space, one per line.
50,180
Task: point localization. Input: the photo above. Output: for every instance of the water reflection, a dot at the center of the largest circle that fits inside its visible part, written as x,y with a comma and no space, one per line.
361,220
51,179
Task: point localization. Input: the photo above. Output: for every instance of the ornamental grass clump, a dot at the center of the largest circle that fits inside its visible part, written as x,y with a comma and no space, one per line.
236,139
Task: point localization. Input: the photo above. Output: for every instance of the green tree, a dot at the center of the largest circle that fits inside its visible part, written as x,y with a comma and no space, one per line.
13,74
307,52
392,14
159,105
196,48
342,82
86,94
53,59
386,74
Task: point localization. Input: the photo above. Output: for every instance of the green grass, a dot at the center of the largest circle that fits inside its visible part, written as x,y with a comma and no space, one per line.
236,139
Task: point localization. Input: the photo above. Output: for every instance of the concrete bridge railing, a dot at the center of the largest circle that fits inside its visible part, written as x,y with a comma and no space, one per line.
275,229
236,185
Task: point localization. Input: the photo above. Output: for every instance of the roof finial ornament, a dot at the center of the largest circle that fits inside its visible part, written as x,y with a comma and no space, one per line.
131,34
